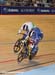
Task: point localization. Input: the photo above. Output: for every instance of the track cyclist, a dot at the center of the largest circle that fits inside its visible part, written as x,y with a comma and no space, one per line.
36,36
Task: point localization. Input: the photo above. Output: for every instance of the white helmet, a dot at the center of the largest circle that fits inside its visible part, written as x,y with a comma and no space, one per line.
28,26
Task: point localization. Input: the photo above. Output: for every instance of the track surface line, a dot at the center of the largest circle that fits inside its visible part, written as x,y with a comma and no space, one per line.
11,60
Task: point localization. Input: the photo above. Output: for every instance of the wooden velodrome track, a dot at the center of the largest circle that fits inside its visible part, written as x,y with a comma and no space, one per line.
9,25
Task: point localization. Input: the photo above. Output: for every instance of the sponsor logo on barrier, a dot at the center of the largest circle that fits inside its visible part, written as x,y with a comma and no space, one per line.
25,10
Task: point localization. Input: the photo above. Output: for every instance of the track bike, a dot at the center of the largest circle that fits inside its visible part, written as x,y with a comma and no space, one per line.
22,48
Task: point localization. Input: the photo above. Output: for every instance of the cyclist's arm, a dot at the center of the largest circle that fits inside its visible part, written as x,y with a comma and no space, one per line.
20,30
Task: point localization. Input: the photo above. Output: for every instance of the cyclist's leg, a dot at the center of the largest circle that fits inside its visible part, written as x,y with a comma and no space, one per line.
33,52
24,36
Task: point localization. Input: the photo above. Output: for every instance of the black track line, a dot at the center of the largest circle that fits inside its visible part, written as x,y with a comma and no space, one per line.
31,66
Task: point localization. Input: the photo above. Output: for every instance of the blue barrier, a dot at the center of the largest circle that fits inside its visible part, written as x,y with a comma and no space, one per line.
48,70
0,10
26,10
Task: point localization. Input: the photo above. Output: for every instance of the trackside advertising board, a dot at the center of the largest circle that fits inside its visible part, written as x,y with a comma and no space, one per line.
26,10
